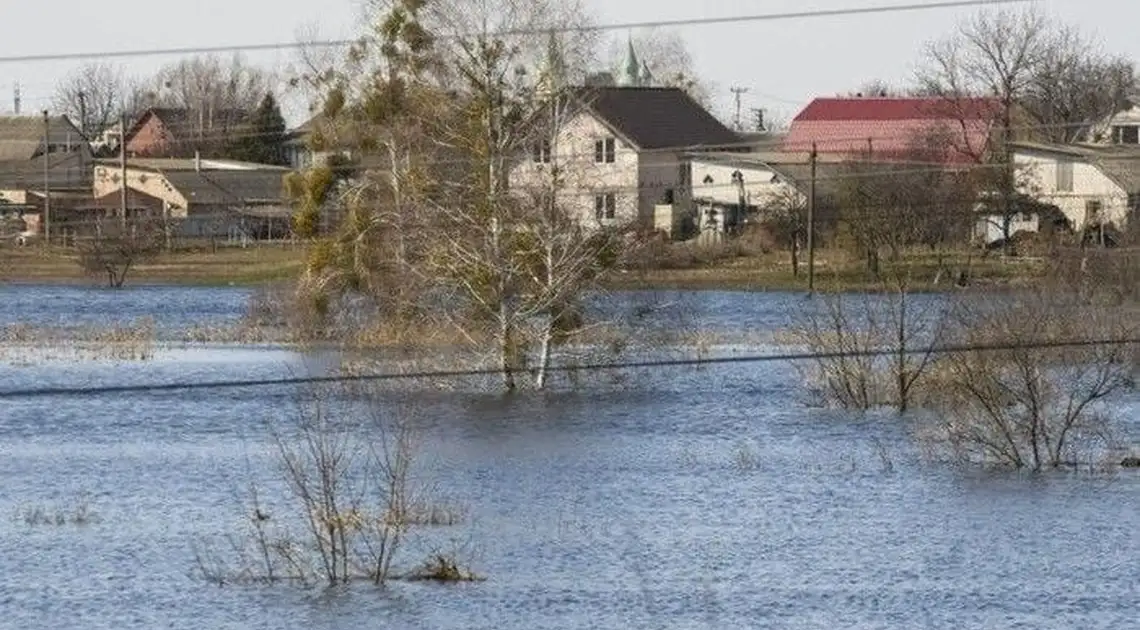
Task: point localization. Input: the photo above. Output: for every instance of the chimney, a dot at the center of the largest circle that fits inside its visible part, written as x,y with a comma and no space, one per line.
198,161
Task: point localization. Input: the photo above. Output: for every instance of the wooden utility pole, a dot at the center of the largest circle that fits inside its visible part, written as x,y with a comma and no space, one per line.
811,223
123,172
47,179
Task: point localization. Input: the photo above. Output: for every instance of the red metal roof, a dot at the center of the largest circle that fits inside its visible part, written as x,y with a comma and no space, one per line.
895,127
900,109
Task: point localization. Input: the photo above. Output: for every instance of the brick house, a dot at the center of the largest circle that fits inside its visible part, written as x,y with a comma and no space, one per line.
180,132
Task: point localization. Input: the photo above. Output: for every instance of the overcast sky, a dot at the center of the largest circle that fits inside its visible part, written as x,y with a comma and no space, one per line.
783,63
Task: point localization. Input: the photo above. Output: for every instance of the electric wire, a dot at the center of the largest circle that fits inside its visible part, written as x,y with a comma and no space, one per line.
647,24
591,367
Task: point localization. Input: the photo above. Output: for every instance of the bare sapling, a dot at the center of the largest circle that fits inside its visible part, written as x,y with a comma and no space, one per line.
1032,407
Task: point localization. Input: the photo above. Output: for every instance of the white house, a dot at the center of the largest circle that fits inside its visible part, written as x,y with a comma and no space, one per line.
1092,185
727,187
621,149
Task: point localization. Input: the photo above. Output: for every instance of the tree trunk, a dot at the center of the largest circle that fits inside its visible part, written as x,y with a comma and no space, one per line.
796,256
506,364
544,356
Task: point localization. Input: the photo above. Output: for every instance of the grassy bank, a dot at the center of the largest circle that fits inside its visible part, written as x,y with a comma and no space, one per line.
226,266
835,270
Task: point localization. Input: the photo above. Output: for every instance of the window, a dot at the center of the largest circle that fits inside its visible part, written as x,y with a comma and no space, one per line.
1126,134
604,151
1064,176
541,152
1092,211
605,206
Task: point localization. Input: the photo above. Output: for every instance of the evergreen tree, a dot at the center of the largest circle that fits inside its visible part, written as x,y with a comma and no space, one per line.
264,141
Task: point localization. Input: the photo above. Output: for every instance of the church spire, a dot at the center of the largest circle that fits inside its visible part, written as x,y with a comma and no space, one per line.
552,73
630,75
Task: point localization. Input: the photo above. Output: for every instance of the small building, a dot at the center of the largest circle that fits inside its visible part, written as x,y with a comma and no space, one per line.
1093,185
731,189
208,199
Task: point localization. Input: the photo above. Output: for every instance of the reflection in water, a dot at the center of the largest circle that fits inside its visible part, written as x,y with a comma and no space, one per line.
625,507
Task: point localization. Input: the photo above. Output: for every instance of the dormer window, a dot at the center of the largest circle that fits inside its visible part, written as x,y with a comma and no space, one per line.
605,151
540,153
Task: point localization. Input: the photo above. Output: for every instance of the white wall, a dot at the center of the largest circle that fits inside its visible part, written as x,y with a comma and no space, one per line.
759,189
573,154
1039,172
658,173
991,229
144,181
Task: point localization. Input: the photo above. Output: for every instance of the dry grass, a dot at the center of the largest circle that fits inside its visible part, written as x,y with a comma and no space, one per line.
835,270
238,266
24,343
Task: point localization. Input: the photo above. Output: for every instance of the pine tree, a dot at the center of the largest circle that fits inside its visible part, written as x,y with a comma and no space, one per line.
264,141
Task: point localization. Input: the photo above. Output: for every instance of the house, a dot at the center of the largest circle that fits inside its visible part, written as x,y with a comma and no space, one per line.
944,130
622,152
180,132
28,177
1093,185
205,198
1122,128
298,145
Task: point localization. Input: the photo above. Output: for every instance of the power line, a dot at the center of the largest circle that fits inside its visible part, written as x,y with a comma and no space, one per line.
340,43
593,367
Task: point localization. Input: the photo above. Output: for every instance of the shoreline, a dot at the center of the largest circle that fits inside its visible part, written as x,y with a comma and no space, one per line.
763,273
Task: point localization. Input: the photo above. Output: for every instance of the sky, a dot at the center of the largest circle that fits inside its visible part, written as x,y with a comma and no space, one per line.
783,64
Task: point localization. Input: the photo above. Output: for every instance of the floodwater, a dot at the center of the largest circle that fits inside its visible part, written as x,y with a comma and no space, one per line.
690,498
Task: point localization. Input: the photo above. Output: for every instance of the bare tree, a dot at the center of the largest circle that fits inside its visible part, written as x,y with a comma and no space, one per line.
1048,81
119,248
666,55
1028,406
92,96
785,216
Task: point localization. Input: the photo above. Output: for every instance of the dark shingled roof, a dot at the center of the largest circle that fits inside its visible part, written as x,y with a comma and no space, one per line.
657,118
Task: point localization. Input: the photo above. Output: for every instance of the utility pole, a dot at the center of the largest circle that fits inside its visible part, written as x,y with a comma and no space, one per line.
82,113
811,223
47,179
737,92
123,173
16,98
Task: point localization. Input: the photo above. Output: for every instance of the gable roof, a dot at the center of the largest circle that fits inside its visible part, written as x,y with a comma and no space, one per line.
1120,163
180,119
21,137
655,117
894,108
895,127
65,170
